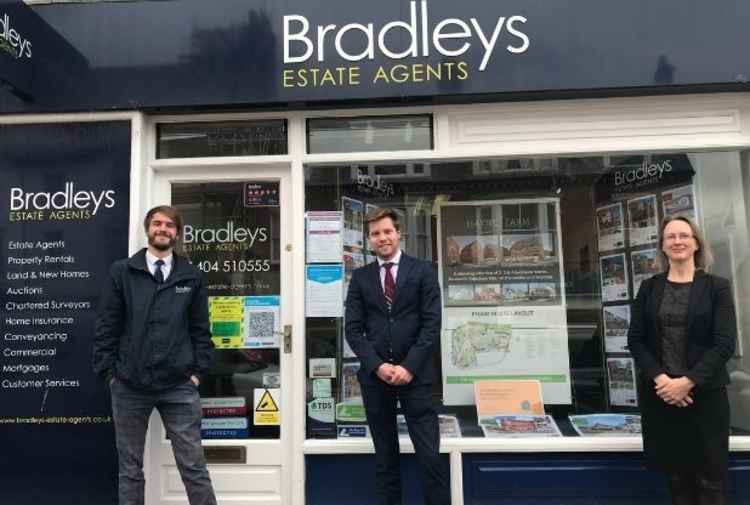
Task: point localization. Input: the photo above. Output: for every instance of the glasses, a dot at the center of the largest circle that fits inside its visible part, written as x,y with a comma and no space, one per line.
674,236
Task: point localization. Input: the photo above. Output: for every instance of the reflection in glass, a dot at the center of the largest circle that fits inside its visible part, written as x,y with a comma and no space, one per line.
231,233
505,226
235,138
361,134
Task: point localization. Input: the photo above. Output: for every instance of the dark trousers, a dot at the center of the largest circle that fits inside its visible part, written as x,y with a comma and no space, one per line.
180,411
424,430
697,488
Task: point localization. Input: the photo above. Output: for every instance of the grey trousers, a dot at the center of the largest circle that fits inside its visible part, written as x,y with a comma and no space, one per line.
180,411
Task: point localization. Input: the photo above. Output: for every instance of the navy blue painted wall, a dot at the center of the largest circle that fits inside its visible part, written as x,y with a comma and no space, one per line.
576,479
350,478
516,479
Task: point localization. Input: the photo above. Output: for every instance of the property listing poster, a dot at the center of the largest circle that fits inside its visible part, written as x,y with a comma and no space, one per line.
632,198
237,249
354,215
622,386
504,303
610,227
616,324
644,228
679,202
643,265
614,277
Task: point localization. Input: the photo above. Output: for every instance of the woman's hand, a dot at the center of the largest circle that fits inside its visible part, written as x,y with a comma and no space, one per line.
674,391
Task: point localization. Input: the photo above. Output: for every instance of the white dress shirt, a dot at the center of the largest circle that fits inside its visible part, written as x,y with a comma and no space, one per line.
166,269
394,268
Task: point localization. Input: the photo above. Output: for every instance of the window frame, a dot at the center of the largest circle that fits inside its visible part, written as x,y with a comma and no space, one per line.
577,127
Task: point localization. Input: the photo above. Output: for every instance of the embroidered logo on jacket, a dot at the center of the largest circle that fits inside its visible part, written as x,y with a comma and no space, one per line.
182,289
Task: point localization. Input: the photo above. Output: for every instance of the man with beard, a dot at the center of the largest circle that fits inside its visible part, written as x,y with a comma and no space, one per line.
151,345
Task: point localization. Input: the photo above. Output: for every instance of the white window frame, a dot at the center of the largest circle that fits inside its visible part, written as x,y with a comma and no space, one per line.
582,127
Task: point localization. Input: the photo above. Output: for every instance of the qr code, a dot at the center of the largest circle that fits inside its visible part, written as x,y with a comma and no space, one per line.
262,325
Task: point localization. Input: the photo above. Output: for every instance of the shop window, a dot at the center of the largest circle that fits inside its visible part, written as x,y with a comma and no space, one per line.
366,134
538,260
233,138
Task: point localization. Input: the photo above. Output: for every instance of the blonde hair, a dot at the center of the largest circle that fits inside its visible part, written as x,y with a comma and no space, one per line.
702,257
382,213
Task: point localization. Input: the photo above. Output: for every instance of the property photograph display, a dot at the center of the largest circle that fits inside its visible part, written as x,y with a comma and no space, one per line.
644,228
614,274
679,201
504,309
538,262
610,227
643,265
622,382
616,324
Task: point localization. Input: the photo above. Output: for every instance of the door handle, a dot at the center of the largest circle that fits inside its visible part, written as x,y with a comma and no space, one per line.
287,338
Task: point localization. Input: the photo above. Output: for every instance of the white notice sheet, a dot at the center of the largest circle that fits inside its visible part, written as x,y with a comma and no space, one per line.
324,236
324,290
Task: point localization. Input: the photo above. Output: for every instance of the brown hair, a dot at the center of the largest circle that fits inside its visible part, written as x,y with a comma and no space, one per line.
702,257
168,211
382,213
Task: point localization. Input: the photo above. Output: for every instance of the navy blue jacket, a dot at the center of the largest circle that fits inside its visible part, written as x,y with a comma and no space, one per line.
152,336
408,333
711,329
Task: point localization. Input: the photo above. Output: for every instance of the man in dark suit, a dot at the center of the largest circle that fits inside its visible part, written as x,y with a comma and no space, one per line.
392,323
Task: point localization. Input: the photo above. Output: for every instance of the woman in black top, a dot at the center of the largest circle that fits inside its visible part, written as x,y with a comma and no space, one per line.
682,333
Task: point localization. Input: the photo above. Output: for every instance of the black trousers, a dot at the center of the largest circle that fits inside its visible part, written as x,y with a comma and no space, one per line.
697,488
424,430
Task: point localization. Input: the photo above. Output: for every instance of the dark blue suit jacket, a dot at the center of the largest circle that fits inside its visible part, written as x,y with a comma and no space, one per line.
407,334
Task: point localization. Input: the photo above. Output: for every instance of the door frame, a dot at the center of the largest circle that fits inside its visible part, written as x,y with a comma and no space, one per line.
158,451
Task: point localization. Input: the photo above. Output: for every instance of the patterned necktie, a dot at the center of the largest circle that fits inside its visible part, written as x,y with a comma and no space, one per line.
389,285
158,274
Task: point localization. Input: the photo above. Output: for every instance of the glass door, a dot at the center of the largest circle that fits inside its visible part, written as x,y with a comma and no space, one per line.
236,231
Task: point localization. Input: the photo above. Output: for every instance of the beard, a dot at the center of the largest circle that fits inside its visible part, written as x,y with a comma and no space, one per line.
162,246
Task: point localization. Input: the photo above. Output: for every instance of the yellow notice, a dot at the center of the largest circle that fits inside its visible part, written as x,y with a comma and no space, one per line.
508,397
266,411
225,314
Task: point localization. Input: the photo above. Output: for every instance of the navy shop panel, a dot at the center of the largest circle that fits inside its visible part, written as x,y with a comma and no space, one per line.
575,479
350,478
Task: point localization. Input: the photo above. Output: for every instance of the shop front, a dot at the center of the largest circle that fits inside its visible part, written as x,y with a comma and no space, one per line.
530,151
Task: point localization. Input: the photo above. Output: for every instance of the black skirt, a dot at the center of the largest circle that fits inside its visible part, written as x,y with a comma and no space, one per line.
686,439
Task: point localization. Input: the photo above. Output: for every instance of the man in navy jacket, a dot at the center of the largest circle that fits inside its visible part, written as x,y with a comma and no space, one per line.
393,317
151,345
